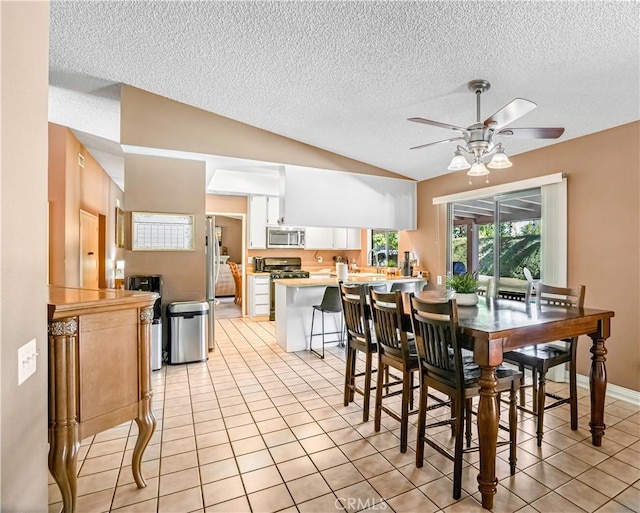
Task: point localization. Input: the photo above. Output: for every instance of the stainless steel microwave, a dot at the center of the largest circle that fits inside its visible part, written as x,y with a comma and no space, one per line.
279,237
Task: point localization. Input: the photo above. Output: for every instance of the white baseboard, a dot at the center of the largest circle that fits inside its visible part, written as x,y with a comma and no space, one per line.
613,391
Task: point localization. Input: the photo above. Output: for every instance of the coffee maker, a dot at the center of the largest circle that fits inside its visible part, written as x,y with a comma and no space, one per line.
258,264
407,264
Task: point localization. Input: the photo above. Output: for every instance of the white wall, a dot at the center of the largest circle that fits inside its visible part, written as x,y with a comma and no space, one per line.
24,55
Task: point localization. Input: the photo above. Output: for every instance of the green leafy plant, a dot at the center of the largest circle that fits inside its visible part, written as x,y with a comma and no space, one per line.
465,283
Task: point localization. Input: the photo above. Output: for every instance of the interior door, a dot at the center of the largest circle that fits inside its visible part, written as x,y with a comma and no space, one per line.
89,247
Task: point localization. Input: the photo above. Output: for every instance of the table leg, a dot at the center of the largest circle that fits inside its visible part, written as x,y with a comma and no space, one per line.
63,459
488,435
598,386
145,420
64,439
146,427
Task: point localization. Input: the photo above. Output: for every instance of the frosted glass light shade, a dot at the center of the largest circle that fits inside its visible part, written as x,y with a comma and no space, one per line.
458,162
478,169
500,160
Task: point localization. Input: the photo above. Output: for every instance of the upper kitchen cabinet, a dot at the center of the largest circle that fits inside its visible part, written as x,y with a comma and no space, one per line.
332,238
257,222
346,238
318,238
263,211
273,210
365,201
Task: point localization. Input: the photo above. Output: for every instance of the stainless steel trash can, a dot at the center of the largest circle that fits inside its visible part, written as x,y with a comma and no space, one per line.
188,331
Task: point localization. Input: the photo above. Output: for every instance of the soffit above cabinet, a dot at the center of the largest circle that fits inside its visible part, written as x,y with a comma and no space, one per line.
320,197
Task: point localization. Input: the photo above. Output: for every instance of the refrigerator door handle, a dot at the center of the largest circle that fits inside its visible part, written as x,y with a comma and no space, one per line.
216,253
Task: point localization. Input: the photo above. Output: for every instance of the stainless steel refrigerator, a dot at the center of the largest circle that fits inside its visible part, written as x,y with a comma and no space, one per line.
212,255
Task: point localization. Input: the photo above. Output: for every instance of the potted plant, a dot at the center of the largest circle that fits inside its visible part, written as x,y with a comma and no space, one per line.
464,288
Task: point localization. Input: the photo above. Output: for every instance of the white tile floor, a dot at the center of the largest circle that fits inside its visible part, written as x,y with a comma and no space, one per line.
256,429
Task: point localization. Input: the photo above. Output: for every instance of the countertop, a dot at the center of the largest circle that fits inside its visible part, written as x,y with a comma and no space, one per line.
64,299
352,278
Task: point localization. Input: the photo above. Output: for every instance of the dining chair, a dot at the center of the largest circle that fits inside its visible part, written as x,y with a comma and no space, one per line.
539,358
330,304
395,350
357,319
237,280
442,367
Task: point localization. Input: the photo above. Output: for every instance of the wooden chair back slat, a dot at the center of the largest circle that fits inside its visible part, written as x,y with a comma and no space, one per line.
435,325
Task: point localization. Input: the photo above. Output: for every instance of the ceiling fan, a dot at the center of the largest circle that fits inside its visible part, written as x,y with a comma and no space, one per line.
478,137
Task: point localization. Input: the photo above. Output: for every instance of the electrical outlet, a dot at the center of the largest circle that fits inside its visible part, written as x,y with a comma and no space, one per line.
27,355
439,280
250,260
319,259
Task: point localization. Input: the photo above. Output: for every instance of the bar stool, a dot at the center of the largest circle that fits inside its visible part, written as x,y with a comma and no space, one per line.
539,358
357,319
442,368
397,351
403,286
330,304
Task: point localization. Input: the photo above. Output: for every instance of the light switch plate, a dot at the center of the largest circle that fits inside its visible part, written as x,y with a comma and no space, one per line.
27,355
439,280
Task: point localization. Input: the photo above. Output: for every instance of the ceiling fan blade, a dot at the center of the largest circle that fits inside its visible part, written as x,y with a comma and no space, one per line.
437,123
510,112
535,133
437,142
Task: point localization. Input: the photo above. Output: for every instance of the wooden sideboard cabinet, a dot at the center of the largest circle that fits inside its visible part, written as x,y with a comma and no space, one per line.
99,374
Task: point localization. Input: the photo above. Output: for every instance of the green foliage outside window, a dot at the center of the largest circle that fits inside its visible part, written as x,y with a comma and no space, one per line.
385,245
519,248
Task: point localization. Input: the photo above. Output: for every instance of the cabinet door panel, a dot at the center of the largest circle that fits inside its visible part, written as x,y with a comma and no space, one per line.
318,238
340,238
273,210
353,238
257,222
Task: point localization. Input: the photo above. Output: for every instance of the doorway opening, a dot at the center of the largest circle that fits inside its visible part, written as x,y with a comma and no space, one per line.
230,296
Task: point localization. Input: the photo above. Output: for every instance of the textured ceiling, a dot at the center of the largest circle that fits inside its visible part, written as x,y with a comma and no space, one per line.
345,76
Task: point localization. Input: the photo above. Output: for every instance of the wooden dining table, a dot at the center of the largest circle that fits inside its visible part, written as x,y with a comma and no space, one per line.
495,326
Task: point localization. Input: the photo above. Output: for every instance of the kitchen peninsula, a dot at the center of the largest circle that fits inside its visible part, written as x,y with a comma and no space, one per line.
295,299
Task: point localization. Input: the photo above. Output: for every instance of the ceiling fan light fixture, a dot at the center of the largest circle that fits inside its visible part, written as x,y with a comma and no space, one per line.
500,160
458,162
478,169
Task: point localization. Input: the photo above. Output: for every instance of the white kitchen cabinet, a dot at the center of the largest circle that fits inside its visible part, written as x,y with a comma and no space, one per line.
354,240
339,238
259,295
273,210
263,211
318,238
346,238
257,222
332,238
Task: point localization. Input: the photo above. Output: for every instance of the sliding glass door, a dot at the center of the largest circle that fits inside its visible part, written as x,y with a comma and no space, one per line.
497,237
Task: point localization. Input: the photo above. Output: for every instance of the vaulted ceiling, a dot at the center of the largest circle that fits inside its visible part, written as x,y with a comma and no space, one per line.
345,76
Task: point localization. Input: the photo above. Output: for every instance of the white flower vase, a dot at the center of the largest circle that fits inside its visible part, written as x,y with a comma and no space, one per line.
470,299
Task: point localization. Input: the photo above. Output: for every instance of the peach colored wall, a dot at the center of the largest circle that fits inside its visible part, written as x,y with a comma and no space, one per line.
231,237
57,181
224,203
603,173
24,59
155,184
71,189
151,120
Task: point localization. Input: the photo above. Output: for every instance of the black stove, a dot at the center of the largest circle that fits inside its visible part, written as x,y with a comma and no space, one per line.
284,274
284,268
